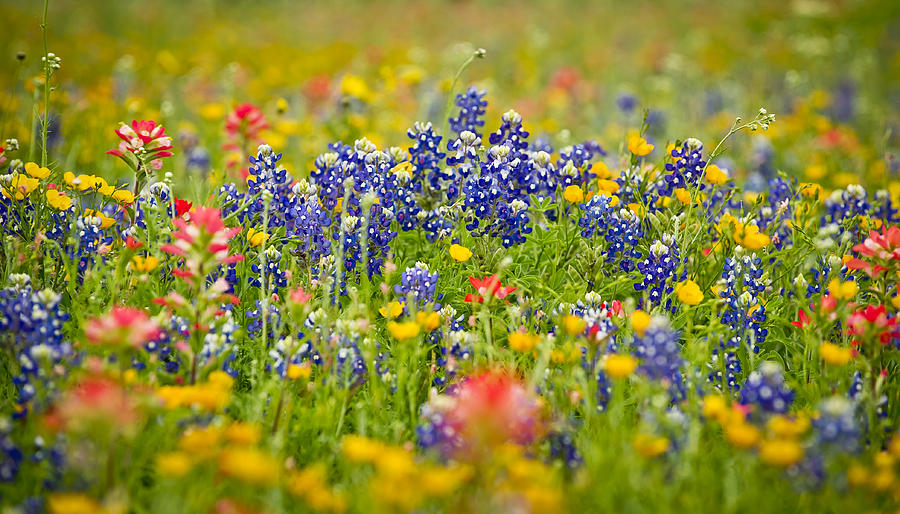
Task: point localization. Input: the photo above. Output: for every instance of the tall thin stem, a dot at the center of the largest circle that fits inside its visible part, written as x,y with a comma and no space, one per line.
44,126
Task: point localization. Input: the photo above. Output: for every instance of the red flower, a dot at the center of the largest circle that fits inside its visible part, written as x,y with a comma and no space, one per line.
488,286
182,207
873,321
882,248
803,320
244,123
132,243
494,408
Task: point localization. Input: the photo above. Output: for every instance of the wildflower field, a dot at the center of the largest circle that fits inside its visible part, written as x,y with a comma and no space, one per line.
473,256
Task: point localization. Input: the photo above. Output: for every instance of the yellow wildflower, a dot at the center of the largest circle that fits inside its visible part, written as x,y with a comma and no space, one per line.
834,354
249,465
361,449
73,503
256,238
716,175
781,452
620,365
573,325
842,290
297,371
785,427
173,464
123,196
610,187
573,194
689,292
650,446
403,331
742,434
428,320
392,310
105,221
640,320
58,200
21,186
242,433
460,253
683,196
639,146
523,342
36,171
143,264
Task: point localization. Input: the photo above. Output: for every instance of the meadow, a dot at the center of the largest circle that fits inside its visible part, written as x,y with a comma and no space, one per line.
471,256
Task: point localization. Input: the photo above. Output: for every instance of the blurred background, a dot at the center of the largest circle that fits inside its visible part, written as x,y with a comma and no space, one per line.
325,71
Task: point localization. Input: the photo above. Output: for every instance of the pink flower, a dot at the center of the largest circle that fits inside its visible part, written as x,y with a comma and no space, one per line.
200,239
123,325
145,138
299,296
882,250
95,400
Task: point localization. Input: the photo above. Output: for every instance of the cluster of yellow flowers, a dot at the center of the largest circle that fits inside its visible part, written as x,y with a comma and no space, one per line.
211,396
396,468
881,476
780,446
403,330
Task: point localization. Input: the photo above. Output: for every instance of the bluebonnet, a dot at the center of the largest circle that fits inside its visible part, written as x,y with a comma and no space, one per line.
686,169
620,228
836,428
268,272
472,107
742,283
659,351
659,271
766,389
33,321
417,287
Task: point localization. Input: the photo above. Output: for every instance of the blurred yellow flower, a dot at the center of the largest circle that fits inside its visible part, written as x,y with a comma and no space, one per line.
781,452
640,320
650,446
834,354
523,342
403,331
173,464
620,365
392,310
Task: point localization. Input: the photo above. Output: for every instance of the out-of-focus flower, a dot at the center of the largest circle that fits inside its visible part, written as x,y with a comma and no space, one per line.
123,325
639,146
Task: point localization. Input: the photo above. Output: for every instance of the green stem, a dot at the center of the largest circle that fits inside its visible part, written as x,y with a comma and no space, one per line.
46,87
459,72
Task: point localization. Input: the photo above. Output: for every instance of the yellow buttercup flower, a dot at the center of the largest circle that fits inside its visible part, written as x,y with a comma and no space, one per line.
689,292
73,503
460,253
842,290
242,433
392,310
523,342
600,170
403,331
20,187
573,194
620,365
428,320
742,434
715,407
781,452
298,371
650,446
173,464
143,264
354,85
683,196
610,187
249,465
36,171
256,238
58,200
834,354
716,175
783,426
640,320
750,237
573,325
123,196
639,146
